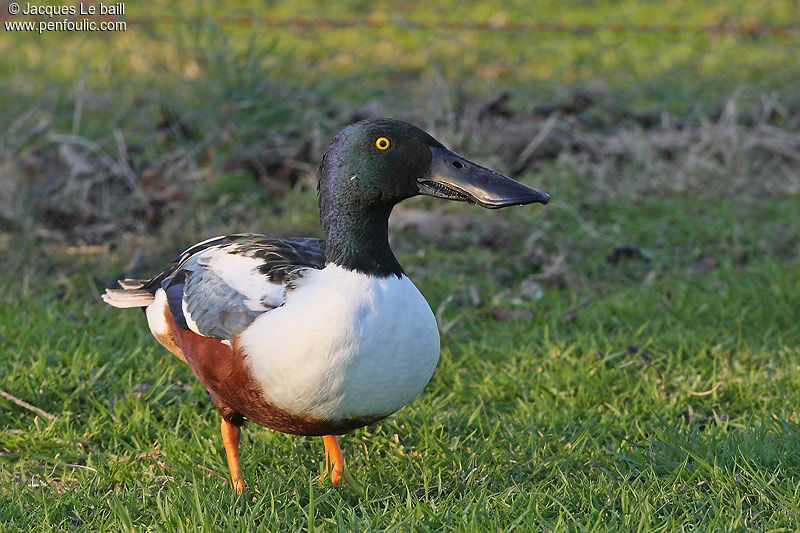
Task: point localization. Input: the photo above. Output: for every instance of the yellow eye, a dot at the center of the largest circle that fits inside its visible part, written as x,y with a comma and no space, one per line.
382,143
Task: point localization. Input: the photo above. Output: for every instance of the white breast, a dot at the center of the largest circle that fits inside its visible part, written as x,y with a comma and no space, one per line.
344,345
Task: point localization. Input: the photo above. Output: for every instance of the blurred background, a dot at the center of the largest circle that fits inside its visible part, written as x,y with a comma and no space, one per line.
114,133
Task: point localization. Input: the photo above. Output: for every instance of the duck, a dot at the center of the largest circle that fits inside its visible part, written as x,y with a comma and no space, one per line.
317,337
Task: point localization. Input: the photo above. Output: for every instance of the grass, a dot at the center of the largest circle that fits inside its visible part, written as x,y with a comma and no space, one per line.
681,71
660,392
625,358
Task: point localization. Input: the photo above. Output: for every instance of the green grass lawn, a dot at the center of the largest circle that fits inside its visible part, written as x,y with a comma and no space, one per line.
656,392
194,59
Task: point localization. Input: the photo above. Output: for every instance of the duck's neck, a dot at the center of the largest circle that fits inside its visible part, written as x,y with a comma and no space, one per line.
358,239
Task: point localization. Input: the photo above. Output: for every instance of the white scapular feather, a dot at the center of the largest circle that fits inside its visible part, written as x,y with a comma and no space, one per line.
241,273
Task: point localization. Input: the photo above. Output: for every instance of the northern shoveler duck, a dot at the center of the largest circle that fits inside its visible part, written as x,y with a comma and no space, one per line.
309,336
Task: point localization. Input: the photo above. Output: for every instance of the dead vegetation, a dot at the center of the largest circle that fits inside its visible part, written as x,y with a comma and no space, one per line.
66,186
82,191
753,151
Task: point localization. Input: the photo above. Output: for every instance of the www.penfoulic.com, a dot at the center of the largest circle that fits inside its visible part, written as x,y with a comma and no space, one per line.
41,26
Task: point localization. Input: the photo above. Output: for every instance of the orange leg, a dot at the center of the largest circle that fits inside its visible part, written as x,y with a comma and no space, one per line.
230,439
333,459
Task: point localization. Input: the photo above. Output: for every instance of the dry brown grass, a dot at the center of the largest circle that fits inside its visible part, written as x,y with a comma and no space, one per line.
754,152
67,188
62,185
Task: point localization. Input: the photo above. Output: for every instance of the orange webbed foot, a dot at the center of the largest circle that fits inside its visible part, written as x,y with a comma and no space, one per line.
334,460
230,439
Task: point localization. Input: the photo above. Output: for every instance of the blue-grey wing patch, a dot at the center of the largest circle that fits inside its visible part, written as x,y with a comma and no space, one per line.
214,308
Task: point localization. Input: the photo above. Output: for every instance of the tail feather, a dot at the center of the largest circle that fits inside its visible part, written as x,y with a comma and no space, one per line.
132,283
124,298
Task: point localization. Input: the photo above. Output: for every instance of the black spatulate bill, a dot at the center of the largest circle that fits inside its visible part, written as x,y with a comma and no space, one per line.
454,178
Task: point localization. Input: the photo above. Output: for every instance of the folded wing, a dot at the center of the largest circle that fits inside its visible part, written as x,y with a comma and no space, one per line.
217,288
